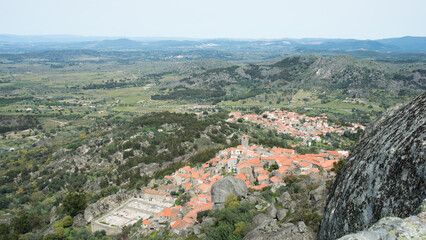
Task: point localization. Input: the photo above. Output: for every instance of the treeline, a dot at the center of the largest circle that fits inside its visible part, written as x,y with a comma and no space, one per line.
112,84
190,94
6,101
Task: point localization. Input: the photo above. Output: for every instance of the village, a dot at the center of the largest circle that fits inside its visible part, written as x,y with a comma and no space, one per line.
300,125
157,206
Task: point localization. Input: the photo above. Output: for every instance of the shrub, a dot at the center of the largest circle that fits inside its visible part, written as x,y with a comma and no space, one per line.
67,221
232,201
289,179
241,229
268,194
281,190
201,215
99,234
192,237
337,166
50,236
60,233
182,199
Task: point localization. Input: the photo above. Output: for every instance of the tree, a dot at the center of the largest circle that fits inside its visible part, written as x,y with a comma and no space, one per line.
21,223
75,202
240,229
232,201
99,234
50,236
273,167
337,166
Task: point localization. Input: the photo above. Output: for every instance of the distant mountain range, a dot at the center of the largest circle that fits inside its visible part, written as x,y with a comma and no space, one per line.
15,43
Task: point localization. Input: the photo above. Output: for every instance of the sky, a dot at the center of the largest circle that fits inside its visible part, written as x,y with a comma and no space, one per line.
242,19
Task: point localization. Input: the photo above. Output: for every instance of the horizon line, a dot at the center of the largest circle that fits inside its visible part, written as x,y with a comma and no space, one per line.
116,37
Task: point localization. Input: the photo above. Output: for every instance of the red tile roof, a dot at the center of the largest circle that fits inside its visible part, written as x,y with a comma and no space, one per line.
275,179
153,192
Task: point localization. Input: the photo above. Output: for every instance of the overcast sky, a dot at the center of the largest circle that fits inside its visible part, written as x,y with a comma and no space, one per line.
361,19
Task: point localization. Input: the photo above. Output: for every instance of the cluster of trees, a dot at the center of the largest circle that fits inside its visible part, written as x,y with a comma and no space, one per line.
22,223
190,94
9,100
177,140
113,84
17,122
233,222
203,156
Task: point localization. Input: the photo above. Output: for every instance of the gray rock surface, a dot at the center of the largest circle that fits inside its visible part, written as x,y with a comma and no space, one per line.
384,175
197,229
281,214
79,221
252,199
391,228
277,185
318,197
225,186
209,222
271,211
285,199
260,218
270,230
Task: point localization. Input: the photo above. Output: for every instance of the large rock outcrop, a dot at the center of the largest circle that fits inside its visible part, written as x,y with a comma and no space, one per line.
413,227
384,175
225,186
269,229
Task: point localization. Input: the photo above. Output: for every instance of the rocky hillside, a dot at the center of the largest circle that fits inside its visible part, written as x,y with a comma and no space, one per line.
384,175
327,76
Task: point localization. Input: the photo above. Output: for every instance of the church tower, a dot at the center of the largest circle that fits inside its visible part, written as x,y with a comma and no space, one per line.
245,141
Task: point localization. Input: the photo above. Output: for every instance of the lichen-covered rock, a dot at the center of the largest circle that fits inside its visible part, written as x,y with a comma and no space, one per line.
271,211
225,186
209,222
285,199
384,175
79,221
277,185
281,214
260,218
270,230
413,227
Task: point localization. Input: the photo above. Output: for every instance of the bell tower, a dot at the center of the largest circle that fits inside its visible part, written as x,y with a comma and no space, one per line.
245,141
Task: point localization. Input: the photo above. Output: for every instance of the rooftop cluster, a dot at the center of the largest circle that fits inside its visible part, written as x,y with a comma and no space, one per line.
300,125
257,166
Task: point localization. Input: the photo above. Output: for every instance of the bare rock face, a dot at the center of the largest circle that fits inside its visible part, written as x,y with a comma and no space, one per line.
413,227
225,186
269,229
79,221
384,175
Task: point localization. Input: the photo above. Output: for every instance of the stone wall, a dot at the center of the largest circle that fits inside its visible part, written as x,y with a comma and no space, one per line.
128,213
110,230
